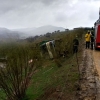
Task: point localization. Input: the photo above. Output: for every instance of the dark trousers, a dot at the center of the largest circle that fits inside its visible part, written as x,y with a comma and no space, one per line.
87,44
92,45
75,49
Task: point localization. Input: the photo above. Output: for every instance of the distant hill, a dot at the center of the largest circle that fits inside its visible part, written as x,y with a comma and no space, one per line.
6,34
24,30
38,31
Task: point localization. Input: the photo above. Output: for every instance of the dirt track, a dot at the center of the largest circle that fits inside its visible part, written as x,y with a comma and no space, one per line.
96,59
89,75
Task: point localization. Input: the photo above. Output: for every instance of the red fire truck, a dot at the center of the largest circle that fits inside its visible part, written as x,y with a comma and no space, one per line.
97,33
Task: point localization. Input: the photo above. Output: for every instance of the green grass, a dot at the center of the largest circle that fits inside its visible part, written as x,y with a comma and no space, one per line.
2,95
52,77
40,80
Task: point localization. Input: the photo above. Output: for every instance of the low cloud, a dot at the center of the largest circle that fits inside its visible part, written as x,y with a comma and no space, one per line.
36,13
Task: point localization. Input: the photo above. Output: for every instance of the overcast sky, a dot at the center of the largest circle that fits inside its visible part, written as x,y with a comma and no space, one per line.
35,13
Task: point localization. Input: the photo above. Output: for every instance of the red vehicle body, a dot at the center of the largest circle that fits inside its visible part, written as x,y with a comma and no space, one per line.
97,33
97,36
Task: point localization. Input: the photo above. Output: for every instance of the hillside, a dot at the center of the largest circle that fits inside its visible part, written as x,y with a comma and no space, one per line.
6,34
44,78
27,32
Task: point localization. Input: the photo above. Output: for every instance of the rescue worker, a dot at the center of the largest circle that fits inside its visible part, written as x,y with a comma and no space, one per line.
92,39
87,39
75,45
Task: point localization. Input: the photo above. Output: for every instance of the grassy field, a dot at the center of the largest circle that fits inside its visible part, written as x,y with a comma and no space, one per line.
51,79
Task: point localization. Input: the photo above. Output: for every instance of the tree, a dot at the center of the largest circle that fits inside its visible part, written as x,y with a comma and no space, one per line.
66,29
48,34
14,78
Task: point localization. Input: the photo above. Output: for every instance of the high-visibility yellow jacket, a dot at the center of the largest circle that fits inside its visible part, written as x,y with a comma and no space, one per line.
87,37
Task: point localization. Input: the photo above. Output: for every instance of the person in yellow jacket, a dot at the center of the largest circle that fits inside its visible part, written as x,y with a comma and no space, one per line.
87,39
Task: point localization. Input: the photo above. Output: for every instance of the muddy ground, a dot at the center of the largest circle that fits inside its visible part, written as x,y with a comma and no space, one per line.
89,77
